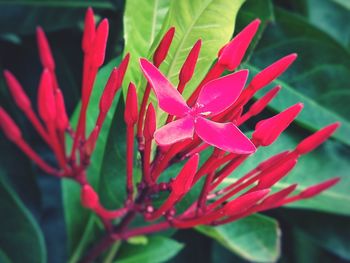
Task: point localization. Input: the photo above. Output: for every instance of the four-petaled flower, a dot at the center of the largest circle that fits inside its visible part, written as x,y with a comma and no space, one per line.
215,97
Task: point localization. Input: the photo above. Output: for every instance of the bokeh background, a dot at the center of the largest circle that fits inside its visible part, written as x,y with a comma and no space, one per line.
318,30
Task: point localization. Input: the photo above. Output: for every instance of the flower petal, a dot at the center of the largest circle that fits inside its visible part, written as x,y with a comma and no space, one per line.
225,136
169,99
175,131
219,94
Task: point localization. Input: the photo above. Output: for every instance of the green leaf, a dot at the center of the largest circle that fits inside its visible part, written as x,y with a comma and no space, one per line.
319,78
343,3
158,249
20,235
61,3
210,20
142,23
331,18
254,238
78,218
329,160
331,232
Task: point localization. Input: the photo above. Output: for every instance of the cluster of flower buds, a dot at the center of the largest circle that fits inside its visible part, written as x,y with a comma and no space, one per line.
210,117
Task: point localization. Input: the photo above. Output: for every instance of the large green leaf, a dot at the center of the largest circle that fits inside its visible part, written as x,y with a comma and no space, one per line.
331,232
319,78
142,23
77,218
158,249
20,236
329,160
255,238
210,20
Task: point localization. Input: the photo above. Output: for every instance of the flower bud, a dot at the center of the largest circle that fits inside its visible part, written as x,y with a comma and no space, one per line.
232,53
11,130
89,31
267,75
189,65
318,188
46,98
100,43
44,50
131,111
89,197
150,123
17,91
314,140
109,92
163,47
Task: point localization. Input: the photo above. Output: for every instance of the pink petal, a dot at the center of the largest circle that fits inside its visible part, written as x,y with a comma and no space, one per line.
169,99
175,131
225,136
219,94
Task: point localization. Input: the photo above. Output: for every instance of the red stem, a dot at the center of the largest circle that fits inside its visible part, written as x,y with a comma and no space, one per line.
129,160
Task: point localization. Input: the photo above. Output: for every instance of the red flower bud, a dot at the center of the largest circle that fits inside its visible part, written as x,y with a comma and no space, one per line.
314,140
267,75
183,181
44,50
150,123
89,31
46,98
261,103
277,197
244,202
100,43
163,47
131,112
272,160
318,188
267,131
189,65
17,91
269,179
89,197
232,53
11,130
109,92
62,117
122,69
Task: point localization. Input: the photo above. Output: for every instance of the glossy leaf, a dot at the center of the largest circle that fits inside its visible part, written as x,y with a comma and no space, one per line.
20,234
158,249
254,238
142,23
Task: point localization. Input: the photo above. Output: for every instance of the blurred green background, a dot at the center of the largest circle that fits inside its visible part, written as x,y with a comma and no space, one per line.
32,222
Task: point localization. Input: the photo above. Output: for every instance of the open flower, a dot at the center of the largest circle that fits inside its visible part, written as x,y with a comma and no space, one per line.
215,97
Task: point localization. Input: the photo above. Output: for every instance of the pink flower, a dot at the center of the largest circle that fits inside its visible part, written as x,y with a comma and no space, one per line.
215,97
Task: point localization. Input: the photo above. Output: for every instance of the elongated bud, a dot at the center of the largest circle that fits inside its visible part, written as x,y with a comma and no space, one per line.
131,112
150,123
277,174
188,67
163,47
316,139
231,55
17,91
183,181
90,144
267,75
46,98
122,69
261,103
62,117
11,130
89,31
278,196
100,43
318,188
45,53
267,131
89,197
109,91
272,160
244,202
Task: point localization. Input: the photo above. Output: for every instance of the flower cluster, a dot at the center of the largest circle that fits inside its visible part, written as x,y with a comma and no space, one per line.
210,117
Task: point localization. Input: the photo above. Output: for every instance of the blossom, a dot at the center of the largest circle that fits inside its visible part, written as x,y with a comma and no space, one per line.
211,116
216,96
